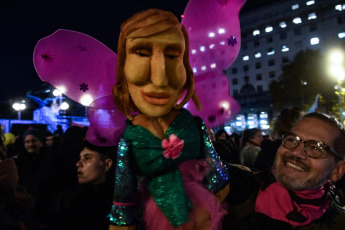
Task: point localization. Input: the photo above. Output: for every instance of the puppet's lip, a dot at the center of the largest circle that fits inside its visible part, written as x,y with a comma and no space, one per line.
156,98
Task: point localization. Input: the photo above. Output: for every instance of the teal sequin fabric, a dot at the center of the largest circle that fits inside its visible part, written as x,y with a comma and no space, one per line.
125,211
218,176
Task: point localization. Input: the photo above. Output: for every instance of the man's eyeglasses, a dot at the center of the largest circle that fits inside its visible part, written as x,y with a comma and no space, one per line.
314,149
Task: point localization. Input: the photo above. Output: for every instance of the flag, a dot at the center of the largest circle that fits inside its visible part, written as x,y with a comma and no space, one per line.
314,106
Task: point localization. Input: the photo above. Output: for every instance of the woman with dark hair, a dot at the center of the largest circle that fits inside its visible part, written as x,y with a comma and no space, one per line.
85,206
250,146
222,135
226,148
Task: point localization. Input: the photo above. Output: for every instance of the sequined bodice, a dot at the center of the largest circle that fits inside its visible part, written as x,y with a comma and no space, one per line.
147,148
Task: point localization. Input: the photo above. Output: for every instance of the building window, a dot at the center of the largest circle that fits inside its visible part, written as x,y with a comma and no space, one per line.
256,42
283,36
295,7
312,27
314,41
269,40
245,58
297,20
235,91
309,3
299,44
234,71
235,81
270,51
311,16
259,77
271,74
258,65
285,48
256,32
282,24
257,55
285,59
221,31
340,20
268,29
340,7
245,68
341,35
259,88
298,31
271,62
246,79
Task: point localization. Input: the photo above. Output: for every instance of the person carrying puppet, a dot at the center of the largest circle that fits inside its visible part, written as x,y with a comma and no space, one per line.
168,176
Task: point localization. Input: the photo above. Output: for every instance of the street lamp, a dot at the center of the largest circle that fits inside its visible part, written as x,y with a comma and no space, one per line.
19,107
64,105
336,69
57,93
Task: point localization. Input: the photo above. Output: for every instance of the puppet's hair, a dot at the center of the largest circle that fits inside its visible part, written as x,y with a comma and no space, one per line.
143,24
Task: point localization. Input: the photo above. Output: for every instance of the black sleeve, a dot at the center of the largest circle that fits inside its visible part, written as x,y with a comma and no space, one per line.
242,185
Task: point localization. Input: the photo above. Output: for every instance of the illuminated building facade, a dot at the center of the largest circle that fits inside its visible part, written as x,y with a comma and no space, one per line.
271,37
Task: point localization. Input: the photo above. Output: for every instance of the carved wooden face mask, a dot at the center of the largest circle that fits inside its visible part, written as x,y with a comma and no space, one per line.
155,72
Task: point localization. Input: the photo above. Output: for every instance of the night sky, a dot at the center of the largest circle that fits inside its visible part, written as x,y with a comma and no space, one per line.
24,22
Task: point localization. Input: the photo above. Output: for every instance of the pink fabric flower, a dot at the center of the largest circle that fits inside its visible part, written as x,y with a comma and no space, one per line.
173,147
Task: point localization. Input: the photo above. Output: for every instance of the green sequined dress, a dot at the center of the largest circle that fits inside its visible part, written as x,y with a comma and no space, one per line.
152,190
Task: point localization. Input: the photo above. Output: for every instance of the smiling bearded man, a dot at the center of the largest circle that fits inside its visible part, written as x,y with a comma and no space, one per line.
298,193
297,167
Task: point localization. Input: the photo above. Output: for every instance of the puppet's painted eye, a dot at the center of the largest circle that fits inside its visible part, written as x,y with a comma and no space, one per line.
173,53
172,56
143,53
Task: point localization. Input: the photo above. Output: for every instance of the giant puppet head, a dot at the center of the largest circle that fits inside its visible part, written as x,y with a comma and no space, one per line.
153,70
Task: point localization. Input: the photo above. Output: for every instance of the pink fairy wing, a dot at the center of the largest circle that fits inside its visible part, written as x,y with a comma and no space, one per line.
214,32
77,64
83,68
106,122
218,106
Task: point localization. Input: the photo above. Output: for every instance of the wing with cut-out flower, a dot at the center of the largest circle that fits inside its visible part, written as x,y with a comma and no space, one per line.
215,37
84,69
78,65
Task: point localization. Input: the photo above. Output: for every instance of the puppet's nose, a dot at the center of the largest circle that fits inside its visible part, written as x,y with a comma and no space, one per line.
159,75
